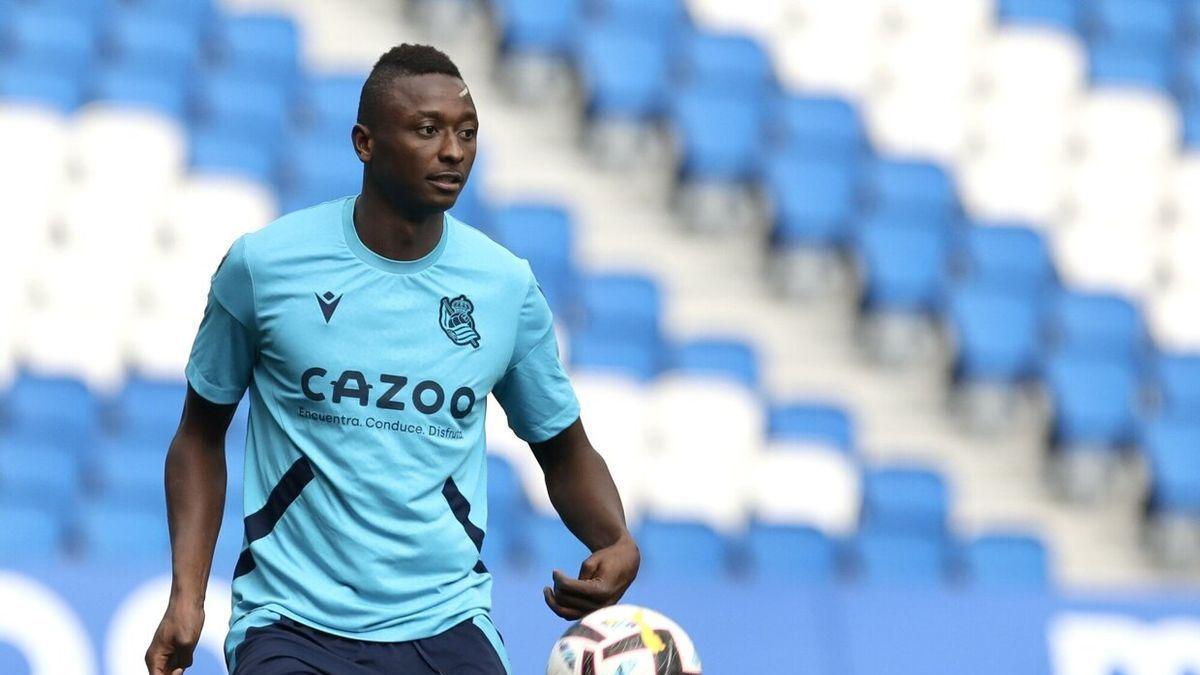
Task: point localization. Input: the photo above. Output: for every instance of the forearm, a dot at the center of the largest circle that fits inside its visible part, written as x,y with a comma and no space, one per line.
584,494
195,486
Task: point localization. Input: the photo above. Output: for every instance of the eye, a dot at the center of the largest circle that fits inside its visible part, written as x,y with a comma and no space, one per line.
427,130
467,134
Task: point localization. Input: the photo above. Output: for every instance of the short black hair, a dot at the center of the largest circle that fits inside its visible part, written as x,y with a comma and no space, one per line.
400,61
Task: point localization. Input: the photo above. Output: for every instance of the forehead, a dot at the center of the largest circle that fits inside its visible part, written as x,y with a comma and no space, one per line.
416,95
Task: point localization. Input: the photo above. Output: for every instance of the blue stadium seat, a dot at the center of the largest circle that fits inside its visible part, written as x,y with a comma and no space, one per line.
265,47
132,477
471,207
214,151
1093,399
793,554
37,472
902,264
719,134
154,43
599,350
625,72
150,409
1123,64
717,357
827,425
672,549
198,13
734,63
114,533
813,200
40,84
1059,14
909,187
1096,323
889,559
541,27
136,88
904,500
1009,255
236,105
1178,379
58,410
1149,22
312,172
1005,562
1172,450
823,127
625,306
1190,111
997,333
544,235
29,533
508,510
330,105
55,37
552,546
93,11
663,19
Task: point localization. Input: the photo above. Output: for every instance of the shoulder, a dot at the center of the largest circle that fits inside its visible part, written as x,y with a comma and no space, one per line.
472,248
296,233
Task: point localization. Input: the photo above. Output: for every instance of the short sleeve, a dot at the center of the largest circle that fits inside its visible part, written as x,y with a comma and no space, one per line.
224,352
535,392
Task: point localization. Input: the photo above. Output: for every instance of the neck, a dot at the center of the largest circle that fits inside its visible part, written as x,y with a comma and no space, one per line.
392,233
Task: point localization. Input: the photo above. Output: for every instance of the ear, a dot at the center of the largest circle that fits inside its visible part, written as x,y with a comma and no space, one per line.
360,136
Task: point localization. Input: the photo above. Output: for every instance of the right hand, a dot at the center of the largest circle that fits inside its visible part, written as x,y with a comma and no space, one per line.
175,640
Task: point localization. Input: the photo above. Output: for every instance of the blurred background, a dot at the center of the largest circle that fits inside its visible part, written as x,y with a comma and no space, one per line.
884,313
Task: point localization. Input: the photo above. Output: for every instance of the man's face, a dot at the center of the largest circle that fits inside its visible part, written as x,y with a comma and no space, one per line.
421,145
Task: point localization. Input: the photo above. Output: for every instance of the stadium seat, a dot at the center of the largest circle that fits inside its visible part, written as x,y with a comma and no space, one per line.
597,350
1032,66
625,72
330,106
551,546
733,63
807,423
1174,464
797,484
130,87
902,500
1109,256
1103,196
1150,23
539,27
1059,14
545,236
996,332
315,171
40,84
244,107
998,187
617,424
127,150
624,306
132,476
29,533
909,187
150,409
1178,380
265,47
813,200
1005,562
153,43
897,560
121,534
38,472
198,13
1008,255
507,509
680,549
664,19
821,127
1173,322
1102,324
901,264
718,134
730,359
791,553
1106,113
56,37
56,409
1123,64
221,153
830,52
1093,401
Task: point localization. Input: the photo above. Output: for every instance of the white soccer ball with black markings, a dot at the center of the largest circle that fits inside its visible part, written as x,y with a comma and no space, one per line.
624,640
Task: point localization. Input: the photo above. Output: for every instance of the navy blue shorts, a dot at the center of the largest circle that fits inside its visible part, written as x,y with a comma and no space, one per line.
290,648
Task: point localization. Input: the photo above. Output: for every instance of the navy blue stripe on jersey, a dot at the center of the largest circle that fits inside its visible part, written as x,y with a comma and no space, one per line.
260,523
461,509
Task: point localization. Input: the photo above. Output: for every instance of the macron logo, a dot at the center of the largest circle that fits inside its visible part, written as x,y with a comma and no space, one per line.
328,304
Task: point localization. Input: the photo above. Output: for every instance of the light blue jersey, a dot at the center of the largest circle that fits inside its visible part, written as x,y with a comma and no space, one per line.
365,476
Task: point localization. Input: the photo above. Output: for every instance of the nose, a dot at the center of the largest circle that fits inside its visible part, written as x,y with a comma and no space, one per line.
451,150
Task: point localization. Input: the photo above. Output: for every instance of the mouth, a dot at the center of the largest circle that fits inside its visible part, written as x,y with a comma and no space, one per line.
447,181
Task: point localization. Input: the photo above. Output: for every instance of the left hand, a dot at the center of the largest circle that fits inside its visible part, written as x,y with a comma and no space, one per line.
603,579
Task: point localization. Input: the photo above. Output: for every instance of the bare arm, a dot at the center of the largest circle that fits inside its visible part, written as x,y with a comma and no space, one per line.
582,491
195,488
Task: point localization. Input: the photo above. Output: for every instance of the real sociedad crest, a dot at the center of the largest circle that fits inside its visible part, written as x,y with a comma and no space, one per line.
457,322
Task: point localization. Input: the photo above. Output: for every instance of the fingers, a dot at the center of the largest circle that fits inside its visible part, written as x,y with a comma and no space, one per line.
593,590
565,612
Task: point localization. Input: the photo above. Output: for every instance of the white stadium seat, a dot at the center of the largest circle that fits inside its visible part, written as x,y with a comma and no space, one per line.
1016,189
205,214
1181,251
934,20
694,417
1185,191
808,486
917,124
1174,321
1115,193
710,490
1023,63
158,346
1106,117
1024,129
834,49
32,165
756,17
127,150
1121,257
613,410
84,342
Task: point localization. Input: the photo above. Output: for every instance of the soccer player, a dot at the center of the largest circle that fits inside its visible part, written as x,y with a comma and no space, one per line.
369,331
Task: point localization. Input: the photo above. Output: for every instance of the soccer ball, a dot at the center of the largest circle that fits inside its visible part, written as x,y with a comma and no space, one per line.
624,640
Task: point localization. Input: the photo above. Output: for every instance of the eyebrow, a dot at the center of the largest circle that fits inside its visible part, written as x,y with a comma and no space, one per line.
470,114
